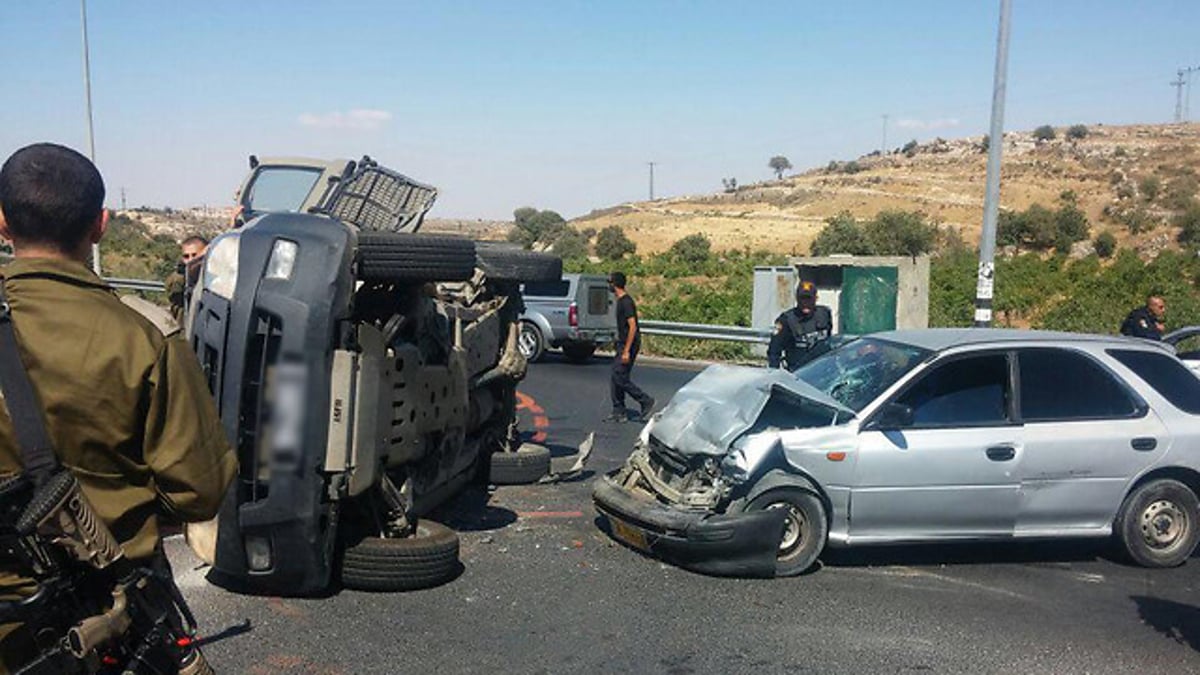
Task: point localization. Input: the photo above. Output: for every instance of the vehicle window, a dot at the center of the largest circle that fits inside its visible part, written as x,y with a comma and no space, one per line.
1168,376
1188,347
857,372
548,289
597,300
281,189
1062,385
963,392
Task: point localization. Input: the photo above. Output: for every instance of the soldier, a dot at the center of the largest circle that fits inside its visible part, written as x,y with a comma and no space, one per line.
186,276
801,333
124,401
1146,322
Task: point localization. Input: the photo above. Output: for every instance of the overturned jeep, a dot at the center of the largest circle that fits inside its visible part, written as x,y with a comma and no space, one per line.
363,372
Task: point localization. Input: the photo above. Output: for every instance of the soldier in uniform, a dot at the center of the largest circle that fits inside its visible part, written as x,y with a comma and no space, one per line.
184,279
124,400
1147,321
801,333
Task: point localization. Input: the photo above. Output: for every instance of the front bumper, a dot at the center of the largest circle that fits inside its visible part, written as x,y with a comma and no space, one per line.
733,544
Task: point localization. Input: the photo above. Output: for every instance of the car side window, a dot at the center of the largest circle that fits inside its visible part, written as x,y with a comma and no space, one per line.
969,391
1064,385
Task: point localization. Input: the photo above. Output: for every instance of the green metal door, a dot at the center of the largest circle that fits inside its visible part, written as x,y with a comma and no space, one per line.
868,300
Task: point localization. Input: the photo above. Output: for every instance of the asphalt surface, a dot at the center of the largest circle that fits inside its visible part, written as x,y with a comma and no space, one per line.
545,590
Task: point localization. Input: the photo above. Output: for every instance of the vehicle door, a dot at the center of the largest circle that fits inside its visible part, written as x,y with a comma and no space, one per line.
595,309
1086,434
939,460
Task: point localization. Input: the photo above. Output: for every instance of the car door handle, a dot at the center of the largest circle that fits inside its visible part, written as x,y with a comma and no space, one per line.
1144,444
1001,453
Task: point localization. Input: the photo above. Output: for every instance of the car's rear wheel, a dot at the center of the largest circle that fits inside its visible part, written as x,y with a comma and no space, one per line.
1159,523
579,352
429,557
530,341
508,263
527,465
804,532
403,256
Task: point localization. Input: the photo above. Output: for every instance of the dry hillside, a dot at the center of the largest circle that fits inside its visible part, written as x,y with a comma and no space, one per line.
943,179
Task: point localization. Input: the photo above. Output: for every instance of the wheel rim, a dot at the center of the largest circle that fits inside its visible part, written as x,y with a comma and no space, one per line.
795,529
1164,525
527,342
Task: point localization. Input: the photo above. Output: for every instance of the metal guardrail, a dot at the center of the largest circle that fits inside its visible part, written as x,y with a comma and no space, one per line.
700,331
135,284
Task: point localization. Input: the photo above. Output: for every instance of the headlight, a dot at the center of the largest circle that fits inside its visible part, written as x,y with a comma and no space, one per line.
283,259
221,265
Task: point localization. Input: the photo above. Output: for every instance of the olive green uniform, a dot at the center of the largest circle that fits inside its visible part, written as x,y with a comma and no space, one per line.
126,407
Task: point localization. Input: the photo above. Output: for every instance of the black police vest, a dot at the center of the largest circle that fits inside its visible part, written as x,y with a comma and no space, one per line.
807,334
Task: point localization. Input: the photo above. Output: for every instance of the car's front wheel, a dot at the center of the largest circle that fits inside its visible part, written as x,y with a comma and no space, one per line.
1159,523
804,532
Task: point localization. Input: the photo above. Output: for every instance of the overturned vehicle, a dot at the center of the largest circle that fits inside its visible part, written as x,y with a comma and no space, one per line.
918,436
364,373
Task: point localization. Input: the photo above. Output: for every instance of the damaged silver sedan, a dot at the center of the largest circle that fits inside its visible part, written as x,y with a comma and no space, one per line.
918,436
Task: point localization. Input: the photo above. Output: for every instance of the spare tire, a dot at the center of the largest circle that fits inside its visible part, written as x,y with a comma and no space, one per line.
427,558
404,256
503,262
527,465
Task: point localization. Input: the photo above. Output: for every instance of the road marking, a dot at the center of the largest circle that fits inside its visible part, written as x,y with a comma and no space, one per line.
902,571
540,421
526,402
550,514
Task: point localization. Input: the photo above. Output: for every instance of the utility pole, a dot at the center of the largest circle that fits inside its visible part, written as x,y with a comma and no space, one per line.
1187,89
87,88
122,197
1178,84
883,144
985,283
651,164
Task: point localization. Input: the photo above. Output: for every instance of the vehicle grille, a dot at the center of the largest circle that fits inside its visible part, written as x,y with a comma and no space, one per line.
262,352
670,463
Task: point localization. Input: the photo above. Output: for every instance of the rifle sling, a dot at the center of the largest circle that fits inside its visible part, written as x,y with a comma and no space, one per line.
29,426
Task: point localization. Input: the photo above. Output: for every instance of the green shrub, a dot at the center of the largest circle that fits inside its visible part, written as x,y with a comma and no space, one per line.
1077,131
694,248
613,244
1189,224
842,234
1043,133
910,148
1149,187
1105,244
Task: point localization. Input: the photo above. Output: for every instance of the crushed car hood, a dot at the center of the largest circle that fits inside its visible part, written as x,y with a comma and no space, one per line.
722,403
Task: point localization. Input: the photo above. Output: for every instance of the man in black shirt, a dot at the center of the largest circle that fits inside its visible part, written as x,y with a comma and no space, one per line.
1146,322
629,342
801,333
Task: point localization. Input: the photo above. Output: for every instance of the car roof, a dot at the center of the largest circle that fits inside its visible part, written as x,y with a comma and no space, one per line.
940,339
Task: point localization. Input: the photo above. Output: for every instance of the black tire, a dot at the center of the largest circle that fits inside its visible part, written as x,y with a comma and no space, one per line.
804,535
404,256
1159,523
508,263
579,352
527,465
426,559
530,341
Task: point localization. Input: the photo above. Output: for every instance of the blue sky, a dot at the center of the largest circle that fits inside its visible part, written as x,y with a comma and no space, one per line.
560,104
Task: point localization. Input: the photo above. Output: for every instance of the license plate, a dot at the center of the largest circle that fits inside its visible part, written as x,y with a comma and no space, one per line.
630,535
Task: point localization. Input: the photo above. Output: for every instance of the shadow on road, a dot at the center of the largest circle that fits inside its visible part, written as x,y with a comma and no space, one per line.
471,512
1175,620
226,633
969,554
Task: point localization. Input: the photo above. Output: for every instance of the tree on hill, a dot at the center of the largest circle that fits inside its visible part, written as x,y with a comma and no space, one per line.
534,226
1043,133
842,234
779,164
890,232
1077,132
694,249
571,244
613,244
910,148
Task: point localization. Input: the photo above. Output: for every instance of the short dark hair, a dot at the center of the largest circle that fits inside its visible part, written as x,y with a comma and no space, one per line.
50,194
194,239
617,279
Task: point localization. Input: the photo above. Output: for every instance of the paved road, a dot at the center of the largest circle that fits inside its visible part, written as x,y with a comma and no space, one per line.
544,591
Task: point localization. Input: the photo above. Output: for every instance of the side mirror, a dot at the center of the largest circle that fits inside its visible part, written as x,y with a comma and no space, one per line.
893,415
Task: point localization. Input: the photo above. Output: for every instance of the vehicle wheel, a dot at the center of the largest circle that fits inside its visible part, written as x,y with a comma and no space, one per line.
527,465
579,351
804,531
1159,523
530,341
427,558
509,263
404,256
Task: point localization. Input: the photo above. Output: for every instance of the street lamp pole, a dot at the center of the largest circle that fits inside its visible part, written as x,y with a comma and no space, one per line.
87,88
991,201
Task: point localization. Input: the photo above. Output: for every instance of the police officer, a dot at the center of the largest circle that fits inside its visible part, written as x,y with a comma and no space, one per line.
124,400
801,333
1147,321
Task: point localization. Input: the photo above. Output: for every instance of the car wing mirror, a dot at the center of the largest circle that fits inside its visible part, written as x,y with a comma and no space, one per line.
893,415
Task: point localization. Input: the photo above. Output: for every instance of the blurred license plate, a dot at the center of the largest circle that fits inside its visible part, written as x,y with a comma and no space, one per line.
632,536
